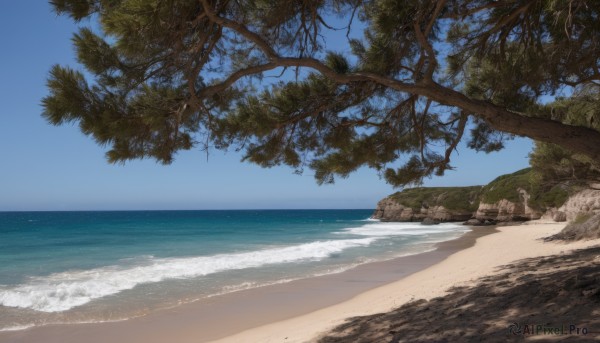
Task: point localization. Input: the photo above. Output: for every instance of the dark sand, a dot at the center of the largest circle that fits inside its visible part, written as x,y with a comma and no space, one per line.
222,316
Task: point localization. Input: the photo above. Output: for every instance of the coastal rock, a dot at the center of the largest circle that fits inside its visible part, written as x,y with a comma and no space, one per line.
559,216
442,204
554,214
478,222
509,198
389,209
473,222
430,221
584,202
594,185
440,213
529,212
508,211
587,227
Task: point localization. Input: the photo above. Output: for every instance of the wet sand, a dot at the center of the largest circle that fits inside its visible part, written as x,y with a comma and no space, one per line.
226,315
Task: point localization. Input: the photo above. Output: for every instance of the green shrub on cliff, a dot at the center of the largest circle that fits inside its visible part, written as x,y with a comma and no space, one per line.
505,186
463,199
542,194
555,197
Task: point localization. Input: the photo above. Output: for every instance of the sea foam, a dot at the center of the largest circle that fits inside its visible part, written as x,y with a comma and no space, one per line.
63,291
382,229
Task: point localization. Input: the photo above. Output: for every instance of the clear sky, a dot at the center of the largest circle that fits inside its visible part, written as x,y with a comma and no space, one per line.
43,167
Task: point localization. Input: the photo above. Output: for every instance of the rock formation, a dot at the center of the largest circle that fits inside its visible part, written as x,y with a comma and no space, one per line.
440,204
508,211
509,198
586,201
389,209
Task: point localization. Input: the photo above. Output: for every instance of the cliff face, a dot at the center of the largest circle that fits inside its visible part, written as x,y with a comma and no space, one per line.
511,197
507,211
440,204
389,209
584,202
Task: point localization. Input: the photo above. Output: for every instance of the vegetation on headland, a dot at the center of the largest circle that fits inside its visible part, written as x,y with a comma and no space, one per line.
505,187
541,197
461,199
543,192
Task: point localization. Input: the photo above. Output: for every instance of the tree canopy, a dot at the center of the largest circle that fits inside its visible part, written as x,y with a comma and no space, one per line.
332,85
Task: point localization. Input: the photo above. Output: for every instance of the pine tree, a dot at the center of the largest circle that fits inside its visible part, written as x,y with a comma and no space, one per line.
168,75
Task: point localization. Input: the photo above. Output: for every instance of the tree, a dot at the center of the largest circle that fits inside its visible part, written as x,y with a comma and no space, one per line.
167,75
555,164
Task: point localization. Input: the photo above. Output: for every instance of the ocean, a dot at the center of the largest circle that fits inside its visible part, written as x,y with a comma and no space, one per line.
81,267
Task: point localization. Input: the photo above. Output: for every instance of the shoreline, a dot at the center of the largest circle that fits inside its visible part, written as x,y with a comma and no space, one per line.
232,313
307,309
464,268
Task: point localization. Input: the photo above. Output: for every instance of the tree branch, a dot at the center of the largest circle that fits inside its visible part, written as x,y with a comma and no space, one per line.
576,138
231,79
462,123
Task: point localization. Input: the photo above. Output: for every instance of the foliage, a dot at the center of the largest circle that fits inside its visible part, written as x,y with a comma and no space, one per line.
467,199
555,197
266,77
505,186
555,163
541,196
464,199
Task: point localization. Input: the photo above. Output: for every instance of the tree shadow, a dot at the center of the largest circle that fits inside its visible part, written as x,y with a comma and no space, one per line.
557,292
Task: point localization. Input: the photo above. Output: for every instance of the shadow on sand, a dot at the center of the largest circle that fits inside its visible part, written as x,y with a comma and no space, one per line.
559,293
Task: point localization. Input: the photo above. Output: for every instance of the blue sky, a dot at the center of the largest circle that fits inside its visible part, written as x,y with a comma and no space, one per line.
43,167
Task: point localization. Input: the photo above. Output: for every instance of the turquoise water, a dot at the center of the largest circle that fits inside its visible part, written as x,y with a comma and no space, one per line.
58,267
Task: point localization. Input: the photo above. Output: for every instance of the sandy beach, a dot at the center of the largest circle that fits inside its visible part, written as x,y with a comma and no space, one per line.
463,268
195,171
303,310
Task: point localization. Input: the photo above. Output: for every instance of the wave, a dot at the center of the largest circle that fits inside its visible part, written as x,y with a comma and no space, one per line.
17,328
63,291
402,229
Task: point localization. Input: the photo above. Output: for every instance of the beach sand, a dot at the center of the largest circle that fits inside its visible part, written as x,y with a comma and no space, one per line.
462,269
304,310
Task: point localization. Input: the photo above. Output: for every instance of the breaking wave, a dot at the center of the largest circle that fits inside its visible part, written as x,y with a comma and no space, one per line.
63,291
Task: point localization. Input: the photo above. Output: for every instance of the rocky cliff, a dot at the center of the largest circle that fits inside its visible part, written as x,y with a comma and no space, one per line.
389,210
509,198
584,202
440,204
506,211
